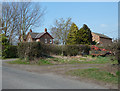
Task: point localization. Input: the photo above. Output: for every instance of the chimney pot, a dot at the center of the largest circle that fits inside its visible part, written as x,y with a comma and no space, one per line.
30,30
45,29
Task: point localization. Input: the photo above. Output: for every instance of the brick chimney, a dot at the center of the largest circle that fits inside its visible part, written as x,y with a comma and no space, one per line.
30,30
45,30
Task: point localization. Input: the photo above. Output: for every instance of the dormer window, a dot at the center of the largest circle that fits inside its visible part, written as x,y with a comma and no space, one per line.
45,40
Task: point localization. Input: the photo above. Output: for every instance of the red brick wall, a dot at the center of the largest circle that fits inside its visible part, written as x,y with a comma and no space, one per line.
101,40
46,36
95,38
105,41
29,37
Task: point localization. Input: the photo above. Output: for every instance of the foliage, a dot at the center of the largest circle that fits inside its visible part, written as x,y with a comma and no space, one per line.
33,50
94,43
118,52
8,51
60,30
73,50
115,48
71,38
11,52
5,45
84,35
56,42
30,50
54,49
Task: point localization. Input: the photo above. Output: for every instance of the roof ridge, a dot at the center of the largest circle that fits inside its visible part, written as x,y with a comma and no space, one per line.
39,34
101,35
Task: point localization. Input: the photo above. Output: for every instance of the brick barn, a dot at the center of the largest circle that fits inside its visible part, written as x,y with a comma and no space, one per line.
101,39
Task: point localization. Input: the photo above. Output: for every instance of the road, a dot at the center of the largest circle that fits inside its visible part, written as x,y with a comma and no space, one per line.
19,79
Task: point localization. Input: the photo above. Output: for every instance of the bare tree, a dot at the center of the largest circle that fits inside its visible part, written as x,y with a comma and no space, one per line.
9,15
60,30
19,17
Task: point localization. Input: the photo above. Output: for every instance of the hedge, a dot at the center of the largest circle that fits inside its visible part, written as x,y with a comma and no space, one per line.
33,50
73,50
53,49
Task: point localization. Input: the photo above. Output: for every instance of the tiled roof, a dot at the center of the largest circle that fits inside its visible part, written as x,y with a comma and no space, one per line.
36,35
39,35
33,35
102,35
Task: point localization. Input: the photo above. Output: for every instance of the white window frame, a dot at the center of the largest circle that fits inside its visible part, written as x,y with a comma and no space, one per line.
37,40
50,41
29,40
45,40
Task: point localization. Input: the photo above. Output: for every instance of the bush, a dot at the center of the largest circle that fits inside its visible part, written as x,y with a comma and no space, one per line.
73,50
9,51
30,50
52,49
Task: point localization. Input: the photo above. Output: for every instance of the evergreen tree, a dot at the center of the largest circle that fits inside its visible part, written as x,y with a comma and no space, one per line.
71,38
84,36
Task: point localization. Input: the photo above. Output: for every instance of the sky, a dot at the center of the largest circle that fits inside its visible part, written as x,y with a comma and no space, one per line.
101,17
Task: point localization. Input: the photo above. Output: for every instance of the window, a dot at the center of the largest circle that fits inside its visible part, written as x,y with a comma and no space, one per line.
50,41
45,40
38,40
29,40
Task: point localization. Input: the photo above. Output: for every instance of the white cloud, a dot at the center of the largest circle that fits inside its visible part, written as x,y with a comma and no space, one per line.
103,25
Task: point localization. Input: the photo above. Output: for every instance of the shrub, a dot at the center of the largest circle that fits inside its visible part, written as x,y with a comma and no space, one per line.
12,52
30,50
9,51
73,50
55,49
70,50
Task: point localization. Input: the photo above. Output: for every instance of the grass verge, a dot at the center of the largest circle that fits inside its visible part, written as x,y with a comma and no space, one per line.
94,73
39,62
95,60
99,60
18,61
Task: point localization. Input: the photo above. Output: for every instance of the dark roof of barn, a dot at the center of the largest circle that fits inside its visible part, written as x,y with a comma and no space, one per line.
102,35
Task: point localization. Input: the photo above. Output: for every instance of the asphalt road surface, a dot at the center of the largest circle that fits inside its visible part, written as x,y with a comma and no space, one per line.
19,79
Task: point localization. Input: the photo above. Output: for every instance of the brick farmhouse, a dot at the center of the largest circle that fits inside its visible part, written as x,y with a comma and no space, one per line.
43,37
101,39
